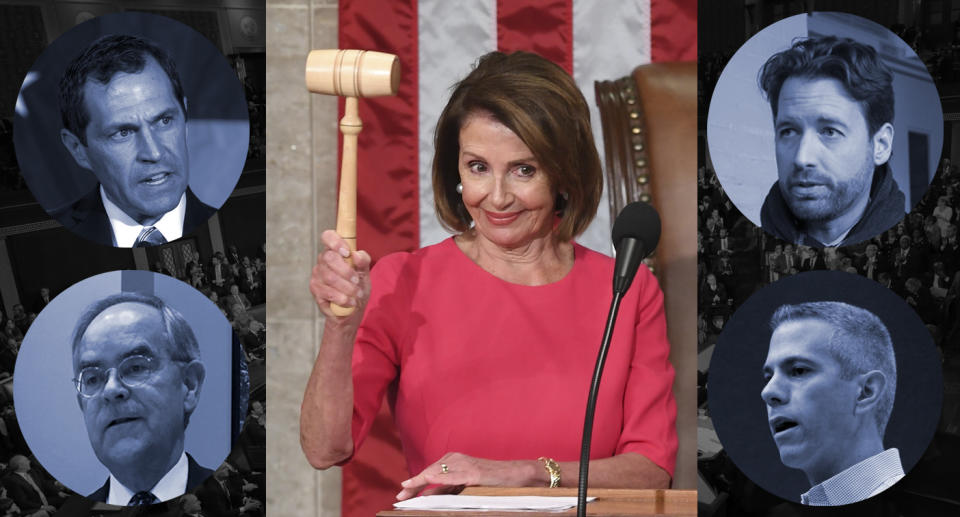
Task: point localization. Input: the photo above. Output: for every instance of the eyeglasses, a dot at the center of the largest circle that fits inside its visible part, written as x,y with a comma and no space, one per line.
132,372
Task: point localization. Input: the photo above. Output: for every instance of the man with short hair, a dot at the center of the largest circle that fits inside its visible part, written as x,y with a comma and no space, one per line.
32,494
870,264
124,117
223,494
219,275
138,375
190,506
830,383
832,102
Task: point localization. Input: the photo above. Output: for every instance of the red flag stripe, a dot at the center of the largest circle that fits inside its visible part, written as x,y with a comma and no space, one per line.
387,208
541,26
387,184
673,30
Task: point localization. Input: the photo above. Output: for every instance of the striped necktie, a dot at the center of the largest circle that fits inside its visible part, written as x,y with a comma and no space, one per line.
143,498
149,236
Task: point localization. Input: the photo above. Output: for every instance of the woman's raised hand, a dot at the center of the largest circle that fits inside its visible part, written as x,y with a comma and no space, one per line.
334,280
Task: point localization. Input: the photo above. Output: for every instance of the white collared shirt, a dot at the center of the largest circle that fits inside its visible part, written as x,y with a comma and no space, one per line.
126,230
857,482
172,484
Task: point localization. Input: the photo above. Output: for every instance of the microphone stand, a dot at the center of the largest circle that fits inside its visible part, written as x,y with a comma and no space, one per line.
592,404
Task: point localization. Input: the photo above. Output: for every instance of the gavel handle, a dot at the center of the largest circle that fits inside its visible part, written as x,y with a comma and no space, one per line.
350,126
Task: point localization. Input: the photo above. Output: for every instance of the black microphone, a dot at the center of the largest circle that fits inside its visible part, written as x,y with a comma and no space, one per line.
636,233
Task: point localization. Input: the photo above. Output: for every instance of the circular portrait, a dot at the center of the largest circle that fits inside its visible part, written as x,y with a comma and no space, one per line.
825,129
825,388
129,388
131,129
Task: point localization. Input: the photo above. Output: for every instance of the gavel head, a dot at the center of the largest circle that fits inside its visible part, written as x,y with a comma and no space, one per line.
352,73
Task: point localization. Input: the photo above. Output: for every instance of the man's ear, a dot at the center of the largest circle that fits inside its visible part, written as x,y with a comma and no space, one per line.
871,386
883,144
193,375
77,149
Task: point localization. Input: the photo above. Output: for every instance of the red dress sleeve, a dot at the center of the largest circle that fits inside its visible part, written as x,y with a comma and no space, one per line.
376,350
650,411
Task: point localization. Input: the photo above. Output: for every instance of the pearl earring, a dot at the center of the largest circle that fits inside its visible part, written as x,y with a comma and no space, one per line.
460,188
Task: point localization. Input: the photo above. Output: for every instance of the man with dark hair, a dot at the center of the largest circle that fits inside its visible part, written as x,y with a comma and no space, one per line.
832,101
42,300
138,376
830,383
124,118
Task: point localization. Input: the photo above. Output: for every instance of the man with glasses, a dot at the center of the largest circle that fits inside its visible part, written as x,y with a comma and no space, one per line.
138,375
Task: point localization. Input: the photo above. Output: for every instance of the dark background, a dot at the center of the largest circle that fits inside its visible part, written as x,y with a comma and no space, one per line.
932,29
35,251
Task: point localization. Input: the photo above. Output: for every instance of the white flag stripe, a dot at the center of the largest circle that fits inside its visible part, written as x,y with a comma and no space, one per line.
610,39
452,36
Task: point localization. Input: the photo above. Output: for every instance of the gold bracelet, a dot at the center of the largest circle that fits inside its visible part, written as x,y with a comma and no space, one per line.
553,469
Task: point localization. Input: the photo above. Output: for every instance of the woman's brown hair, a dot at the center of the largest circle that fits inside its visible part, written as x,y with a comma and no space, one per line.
541,104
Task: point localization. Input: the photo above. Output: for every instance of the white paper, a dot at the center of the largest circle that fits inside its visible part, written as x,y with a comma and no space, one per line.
486,502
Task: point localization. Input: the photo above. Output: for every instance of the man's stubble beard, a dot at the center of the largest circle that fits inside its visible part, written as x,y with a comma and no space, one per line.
842,196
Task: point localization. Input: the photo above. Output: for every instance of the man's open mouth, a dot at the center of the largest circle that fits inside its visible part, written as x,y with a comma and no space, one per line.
156,179
781,424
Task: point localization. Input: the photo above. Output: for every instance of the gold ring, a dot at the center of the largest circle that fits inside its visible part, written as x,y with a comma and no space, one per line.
443,468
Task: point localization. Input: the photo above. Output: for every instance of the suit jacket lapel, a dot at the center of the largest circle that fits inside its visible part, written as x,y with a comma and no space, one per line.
90,220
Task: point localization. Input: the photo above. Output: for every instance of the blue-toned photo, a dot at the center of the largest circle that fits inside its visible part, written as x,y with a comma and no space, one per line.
125,389
131,129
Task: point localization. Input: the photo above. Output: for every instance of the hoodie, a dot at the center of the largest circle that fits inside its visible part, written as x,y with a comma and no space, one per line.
884,209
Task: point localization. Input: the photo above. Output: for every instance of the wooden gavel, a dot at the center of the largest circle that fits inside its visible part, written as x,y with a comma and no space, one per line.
351,74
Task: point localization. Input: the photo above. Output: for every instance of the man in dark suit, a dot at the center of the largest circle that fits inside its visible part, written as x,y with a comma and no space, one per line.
909,261
219,275
138,376
125,120
871,263
237,298
223,494
811,260
233,256
42,300
31,493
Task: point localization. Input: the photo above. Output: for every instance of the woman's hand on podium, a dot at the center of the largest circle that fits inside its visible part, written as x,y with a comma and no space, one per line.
463,471
334,280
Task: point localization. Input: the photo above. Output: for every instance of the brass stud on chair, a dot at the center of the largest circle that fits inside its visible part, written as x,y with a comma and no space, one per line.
642,180
645,198
641,162
634,115
635,130
638,147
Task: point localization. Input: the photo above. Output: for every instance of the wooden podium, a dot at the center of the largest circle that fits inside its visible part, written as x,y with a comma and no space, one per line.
610,502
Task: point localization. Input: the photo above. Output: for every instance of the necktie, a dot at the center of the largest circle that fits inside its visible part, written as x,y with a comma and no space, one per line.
149,236
142,498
